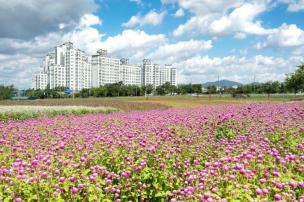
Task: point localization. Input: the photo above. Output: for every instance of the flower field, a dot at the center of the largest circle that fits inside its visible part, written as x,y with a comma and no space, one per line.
245,152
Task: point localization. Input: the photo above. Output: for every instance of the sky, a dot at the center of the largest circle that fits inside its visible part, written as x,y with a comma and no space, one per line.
239,40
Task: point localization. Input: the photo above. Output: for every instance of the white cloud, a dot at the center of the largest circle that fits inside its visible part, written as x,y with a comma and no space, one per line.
179,13
200,69
240,35
61,25
88,39
28,19
88,20
181,50
136,1
204,7
285,36
17,69
294,5
130,42
151,18
239,22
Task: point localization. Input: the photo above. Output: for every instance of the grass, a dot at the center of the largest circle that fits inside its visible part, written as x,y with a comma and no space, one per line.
87,105
196,101
25,112
124,104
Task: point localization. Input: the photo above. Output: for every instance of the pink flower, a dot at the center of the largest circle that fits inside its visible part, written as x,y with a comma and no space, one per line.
62,146
277,197
259,191
61,179
262,181
266,175
280,185
293,184
34,162
74,190
206,195
276,174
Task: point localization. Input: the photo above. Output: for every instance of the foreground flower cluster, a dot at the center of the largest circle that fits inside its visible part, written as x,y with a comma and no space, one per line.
219,153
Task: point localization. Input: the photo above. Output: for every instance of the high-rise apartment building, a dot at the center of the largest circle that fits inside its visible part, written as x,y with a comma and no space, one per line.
39,80
76,64
70,67
129,74
168,74
173,76
57,76
147,72
157,75
67,66
106,68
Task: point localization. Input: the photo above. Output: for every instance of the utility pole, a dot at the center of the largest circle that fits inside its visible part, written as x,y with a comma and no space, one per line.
218,83
254,84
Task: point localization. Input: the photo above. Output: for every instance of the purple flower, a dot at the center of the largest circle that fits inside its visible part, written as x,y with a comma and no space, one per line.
277,197
259,191
74,190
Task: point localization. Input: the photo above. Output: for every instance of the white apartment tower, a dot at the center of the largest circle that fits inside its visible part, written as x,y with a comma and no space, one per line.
76,65
157,75
39,80
70,67
57,76
173,75
168,74
129,74
106,68
147,72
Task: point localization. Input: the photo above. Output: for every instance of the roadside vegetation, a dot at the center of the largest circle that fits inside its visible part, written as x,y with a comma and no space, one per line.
25,112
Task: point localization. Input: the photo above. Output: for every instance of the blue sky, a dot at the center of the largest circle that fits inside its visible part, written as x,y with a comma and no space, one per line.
235,39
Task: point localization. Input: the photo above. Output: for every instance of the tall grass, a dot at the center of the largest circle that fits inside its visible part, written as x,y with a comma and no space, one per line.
25,112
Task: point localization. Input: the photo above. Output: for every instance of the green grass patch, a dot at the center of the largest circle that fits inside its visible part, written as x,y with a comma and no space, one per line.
25,112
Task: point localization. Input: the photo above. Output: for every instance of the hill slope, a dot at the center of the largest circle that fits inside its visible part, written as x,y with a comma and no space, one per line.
222,83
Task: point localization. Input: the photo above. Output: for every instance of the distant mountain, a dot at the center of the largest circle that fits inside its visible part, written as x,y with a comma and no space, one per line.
223,83
253,83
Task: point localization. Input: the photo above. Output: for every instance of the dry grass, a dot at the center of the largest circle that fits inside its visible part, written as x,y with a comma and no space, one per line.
196,101
118,103
152,102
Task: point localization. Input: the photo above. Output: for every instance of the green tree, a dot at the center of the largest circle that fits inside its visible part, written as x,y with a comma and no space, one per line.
197,88
160,90
211,89
295,81
6,92
149,89
101,91
84,93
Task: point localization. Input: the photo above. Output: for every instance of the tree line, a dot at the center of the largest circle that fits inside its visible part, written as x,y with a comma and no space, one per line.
6,92
293,83
116,90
